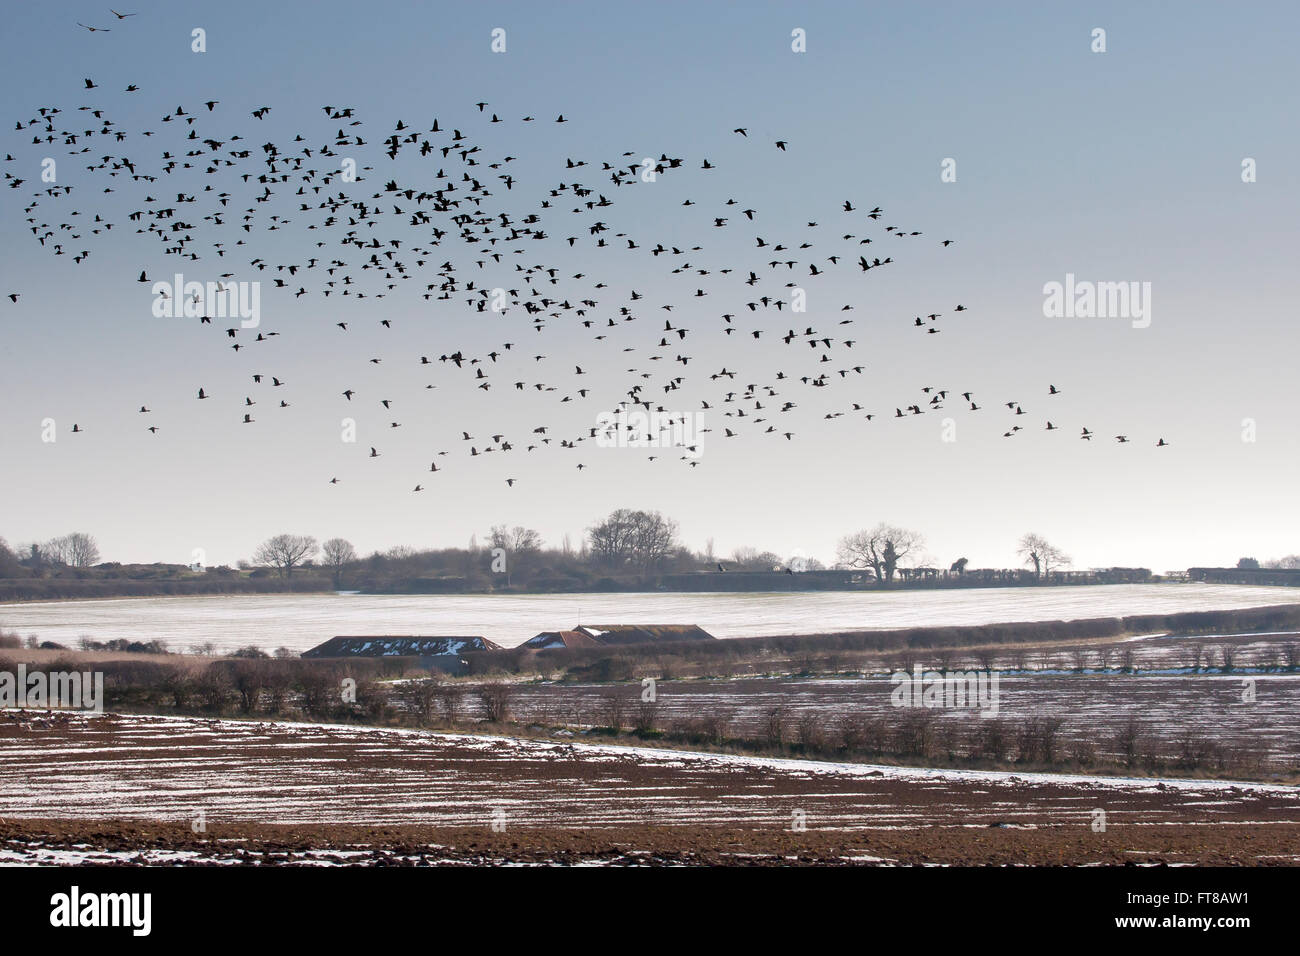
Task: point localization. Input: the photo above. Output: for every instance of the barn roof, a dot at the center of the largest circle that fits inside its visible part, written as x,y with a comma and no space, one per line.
390,645
606,634
548,639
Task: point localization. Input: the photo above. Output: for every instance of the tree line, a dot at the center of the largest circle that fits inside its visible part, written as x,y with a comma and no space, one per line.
626,544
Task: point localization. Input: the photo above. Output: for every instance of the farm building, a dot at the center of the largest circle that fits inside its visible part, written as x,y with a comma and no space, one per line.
444,653
548,639
605,635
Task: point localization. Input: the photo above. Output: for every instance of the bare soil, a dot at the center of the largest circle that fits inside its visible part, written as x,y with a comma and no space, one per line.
122,789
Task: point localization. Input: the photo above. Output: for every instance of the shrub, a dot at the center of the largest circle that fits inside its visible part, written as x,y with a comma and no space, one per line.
421,698
1128,742
496,699
213,688
992,740
319,686
647,715
612,708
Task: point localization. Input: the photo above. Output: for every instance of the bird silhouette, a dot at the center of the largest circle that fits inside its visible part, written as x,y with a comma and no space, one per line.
442,214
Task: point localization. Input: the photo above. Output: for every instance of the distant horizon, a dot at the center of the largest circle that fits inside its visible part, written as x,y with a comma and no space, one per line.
578,543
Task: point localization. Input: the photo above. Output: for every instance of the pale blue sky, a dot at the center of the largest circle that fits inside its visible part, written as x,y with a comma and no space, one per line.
1116,166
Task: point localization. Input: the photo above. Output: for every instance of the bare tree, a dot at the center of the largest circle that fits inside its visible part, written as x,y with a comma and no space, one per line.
1041,554
279,680
914,734
774,726
213,687
637,539
449,694
82,550
179,683
285,552
808,729
748,558
9,564
337,553
612,707
319,687
714,724
421,698
496,702
248,678
1049,729
53,551
647,716
882,549
372,698
77,550
518,543
992,740
516,540
1129,740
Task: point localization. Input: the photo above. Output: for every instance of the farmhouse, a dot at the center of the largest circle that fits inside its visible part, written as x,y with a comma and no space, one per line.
606,635
444,653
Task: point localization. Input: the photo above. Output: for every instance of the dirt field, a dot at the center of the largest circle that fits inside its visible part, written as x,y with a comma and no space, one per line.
115,789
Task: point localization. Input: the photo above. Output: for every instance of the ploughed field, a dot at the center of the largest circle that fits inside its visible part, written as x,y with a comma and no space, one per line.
121,789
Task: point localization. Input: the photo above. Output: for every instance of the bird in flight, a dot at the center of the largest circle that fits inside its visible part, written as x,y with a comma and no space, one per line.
437,221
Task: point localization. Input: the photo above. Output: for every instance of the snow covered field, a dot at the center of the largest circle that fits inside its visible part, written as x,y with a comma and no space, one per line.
301,621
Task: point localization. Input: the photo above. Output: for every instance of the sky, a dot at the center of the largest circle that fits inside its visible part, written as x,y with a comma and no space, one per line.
1117,166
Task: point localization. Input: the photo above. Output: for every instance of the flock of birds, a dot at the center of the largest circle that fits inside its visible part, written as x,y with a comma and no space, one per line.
461,232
